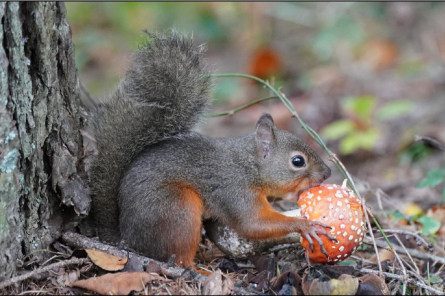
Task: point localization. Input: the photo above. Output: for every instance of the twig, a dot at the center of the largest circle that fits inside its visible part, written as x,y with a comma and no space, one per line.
82,242
401,278
25,276
419,239
415,253
318,139
231,112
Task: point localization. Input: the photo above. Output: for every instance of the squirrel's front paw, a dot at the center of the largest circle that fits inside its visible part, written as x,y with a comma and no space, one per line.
311,231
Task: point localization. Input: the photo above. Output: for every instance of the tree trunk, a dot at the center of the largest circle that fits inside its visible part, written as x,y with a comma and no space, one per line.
41,188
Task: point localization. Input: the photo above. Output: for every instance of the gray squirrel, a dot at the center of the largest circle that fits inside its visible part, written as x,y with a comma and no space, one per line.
154,179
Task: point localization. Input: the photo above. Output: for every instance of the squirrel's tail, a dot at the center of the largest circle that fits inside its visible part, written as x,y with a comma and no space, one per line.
162,94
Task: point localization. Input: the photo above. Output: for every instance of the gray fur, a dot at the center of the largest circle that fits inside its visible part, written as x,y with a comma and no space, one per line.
147,151
162,94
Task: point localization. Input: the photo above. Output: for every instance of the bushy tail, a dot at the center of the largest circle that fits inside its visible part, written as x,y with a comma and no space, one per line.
162,95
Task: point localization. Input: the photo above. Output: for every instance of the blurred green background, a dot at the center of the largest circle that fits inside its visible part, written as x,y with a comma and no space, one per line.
368,76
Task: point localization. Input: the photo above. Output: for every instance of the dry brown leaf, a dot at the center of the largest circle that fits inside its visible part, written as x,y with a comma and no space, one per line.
121,283
106,261
383,255
371,284
214,284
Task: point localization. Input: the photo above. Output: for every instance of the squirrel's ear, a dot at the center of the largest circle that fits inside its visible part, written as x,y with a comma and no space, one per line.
264,135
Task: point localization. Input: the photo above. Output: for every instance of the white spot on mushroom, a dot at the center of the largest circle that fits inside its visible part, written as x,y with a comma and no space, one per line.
359,231
338,256
350,214
355,241
350,237
338,232
345,234
320,191
329,199
309,209
335,260
360,239
330,187
341,216
356,220
354,248
346,201
337,210
331,206
350,219
339,204
348,206
342,226
325,218
310,195
318,198
341,248
356,213
333,247
303,206
338,194
346,255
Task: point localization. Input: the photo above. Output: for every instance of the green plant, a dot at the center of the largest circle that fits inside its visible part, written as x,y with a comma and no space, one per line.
361,130
433,179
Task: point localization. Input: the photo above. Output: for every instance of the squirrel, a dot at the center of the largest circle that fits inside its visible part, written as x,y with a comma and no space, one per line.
154,179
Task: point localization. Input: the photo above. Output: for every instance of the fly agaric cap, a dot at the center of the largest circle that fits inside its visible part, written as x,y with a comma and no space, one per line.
336,206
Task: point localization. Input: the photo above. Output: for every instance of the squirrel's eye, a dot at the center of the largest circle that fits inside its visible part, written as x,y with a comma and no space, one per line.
298,161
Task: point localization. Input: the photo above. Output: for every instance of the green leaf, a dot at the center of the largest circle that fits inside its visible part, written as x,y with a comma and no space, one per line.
362,106
368,138
433,178
430,225
359,139
347,262
394,109
349,145
337,129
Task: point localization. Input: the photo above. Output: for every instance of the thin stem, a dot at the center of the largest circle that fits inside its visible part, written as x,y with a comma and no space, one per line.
231,112
318,139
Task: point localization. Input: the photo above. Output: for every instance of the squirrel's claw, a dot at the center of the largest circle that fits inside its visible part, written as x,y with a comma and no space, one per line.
315,233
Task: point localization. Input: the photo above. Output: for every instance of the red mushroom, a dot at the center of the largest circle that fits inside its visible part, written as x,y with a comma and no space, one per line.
336,206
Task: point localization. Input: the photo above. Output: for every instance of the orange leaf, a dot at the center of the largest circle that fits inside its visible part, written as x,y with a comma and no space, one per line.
381,54
264,63
121,283
106,261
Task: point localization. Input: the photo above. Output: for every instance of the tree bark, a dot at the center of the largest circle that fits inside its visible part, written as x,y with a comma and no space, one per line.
42,191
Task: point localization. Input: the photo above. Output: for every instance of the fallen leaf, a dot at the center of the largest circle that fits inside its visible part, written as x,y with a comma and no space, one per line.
121,283
380,54
288,283
438,213
324,281
106,261
69,277
412,209
215,285
344,285
265,62
383,256
371,284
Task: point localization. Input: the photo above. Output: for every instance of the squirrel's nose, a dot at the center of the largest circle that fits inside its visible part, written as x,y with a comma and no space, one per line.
327,173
